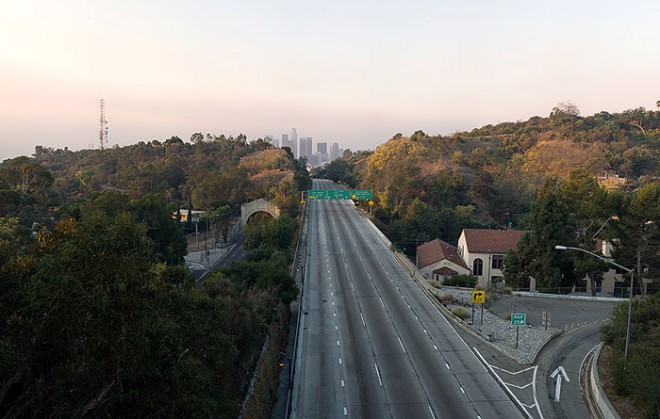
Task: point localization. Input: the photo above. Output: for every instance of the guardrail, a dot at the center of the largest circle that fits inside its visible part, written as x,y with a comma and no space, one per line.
303,234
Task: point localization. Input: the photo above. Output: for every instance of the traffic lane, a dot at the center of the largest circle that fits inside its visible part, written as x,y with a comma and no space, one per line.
562,311
406,395
567,351
437,385
472,376
325,397
365,395
373,360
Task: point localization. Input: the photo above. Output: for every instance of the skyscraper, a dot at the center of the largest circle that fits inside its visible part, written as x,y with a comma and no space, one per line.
306,147
334,151
322,148
285,141
293,141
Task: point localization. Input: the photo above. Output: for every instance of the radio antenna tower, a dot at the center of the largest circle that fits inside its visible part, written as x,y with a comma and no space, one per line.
103,132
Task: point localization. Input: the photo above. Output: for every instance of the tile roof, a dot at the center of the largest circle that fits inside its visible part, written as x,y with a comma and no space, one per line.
435,251
445,271
491,241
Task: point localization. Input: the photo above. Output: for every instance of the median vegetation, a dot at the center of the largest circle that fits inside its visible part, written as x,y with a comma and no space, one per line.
639,377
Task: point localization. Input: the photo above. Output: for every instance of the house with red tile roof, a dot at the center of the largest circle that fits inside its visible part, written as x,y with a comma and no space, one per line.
439,260
483,251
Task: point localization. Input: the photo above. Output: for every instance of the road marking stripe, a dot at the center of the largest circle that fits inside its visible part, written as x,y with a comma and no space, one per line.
462,391
378,372
447,365
401,343
363,323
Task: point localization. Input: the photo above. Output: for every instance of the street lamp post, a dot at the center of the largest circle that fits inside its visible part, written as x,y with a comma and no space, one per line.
631,272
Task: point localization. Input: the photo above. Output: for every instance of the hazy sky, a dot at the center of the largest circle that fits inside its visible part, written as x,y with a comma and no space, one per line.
355,72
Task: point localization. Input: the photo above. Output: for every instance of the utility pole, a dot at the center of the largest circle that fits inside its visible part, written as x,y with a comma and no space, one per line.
103,132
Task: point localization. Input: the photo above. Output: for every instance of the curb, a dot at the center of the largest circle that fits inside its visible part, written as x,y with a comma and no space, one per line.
597,403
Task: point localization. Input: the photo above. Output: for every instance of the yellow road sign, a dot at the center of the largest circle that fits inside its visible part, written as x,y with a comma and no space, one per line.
478,297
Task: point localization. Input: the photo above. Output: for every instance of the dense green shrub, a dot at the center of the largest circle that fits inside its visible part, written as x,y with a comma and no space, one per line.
465,281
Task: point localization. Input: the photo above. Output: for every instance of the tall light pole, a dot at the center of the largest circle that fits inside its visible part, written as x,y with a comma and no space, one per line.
631,272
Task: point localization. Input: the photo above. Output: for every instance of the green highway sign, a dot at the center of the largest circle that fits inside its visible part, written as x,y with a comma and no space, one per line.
317,194
518,319
362,194
339,194
357,194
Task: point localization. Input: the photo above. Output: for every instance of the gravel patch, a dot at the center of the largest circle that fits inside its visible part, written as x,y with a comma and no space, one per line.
502,335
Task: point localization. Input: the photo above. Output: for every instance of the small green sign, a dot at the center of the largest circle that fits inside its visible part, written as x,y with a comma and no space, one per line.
317,194
518,319
362,194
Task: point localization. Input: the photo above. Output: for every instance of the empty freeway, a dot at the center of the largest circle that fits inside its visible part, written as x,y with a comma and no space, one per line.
370,342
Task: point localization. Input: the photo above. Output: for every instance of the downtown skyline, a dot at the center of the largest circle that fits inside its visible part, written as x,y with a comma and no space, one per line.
354,73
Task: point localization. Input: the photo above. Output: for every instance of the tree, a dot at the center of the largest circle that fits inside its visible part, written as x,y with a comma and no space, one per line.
219,219
91,328
565,108
166,233
637,233
550,224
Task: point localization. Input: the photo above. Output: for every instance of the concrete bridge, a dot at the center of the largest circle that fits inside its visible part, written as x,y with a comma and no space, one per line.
259,205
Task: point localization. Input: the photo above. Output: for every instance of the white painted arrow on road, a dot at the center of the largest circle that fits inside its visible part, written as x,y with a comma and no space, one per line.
557,374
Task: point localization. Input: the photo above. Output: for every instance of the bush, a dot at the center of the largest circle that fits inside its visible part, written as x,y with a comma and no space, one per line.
446,297
465,281
434,283
641,379
460,312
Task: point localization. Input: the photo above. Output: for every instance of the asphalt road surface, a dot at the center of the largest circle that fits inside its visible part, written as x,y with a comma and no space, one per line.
371,344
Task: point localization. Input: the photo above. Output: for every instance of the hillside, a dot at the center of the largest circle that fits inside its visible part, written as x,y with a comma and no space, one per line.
431,186
206,173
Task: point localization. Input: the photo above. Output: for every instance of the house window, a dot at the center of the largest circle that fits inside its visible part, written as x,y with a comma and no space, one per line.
477,267
498,261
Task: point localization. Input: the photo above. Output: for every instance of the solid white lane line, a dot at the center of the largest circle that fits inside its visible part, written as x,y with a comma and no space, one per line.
401,343
378,372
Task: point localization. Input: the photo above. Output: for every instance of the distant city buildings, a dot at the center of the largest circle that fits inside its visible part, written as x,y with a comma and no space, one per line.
305,150
285,141
334,151
293,140
306,147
